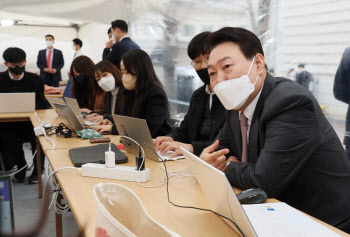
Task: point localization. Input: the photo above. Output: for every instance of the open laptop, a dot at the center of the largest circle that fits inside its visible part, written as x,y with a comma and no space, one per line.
17,102
267,219
138,130
73,103
68,115
7,223
56,101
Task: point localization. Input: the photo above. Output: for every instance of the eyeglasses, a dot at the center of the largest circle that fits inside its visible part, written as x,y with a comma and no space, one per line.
198,63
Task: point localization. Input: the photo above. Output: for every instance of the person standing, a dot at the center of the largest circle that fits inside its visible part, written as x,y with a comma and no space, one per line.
121,43
341,91
304,78
77,45
50,61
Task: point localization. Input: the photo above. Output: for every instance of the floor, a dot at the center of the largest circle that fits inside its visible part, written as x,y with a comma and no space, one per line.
27,205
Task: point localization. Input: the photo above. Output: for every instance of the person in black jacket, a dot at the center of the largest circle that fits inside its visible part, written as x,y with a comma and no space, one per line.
341,91
13,135
109,78
121,43
144,96
278,138
204,118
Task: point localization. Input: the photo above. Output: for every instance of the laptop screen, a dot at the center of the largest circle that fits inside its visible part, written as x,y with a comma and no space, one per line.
6,206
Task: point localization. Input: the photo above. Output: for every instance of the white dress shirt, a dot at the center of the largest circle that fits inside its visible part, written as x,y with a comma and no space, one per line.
78,53
47,54
114,98
12,78
210,93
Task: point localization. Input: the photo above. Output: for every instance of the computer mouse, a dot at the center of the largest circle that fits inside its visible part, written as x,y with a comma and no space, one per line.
252,196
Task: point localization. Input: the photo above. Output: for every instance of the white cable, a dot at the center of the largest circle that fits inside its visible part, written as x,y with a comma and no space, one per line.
37,117
12,174
53,142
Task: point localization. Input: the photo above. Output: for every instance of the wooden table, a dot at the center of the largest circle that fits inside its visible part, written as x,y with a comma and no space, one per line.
184,191
53,95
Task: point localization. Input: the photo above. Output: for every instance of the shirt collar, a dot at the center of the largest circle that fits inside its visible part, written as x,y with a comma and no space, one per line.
12,78
123,38
47,49
207,90
249,111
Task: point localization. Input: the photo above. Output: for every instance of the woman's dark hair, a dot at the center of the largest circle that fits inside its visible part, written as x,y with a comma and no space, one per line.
138,63
84,93
198,44
107,66
248,42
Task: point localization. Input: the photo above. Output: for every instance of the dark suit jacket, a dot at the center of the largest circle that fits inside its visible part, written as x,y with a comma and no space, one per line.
294,153
118,50
57,63
188,132
304,78
108,104
341,89
155,110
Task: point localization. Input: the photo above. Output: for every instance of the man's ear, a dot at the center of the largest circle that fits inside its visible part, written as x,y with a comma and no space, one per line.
5,64
260,62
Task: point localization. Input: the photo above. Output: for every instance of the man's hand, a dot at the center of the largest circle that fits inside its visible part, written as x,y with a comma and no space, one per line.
217,158
159,140
103,128
105,122
53,70
175,147
47,70
109,44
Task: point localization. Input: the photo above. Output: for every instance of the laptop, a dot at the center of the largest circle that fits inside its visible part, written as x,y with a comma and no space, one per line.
266,219
17,102
73,103
56,101
138,130
7,223
69,116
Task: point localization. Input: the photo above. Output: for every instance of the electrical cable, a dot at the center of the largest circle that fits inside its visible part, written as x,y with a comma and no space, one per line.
189,207
12,174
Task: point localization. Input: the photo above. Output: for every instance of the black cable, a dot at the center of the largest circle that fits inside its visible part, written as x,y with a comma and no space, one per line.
196,208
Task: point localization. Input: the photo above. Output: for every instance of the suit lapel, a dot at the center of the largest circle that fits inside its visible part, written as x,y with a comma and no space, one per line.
254,149
236,131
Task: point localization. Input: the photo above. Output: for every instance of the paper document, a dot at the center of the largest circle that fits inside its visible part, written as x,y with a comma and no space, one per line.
280,219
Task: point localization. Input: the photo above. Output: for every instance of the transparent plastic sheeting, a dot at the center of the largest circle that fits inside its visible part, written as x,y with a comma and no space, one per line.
312,32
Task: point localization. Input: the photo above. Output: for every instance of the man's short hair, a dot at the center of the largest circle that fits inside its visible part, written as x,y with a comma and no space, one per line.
198,45
14,55
50,36
78,42
301,65
248,42
109,30
121,25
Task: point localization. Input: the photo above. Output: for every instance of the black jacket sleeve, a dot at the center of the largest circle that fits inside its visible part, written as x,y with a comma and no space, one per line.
106,51
40,99
342,77
114,56
291,138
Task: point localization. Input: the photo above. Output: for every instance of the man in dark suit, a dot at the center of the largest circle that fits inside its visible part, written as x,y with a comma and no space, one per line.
50,61
121,43
304,78
341,91
204,118
277,136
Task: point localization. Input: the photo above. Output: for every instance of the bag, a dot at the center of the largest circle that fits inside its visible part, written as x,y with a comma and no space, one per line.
121,213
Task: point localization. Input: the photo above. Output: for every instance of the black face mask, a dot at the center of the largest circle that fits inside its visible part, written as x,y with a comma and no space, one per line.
17,70
82,78
204,76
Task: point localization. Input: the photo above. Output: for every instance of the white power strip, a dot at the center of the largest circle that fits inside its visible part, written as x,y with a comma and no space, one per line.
118,172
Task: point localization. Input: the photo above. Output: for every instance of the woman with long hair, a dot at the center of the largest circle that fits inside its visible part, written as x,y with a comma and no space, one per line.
85,90
144,96
108,78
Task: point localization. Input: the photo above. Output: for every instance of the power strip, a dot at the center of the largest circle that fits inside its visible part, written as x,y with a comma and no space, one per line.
117,172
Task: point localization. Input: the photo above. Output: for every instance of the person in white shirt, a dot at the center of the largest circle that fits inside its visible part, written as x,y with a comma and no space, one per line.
77,45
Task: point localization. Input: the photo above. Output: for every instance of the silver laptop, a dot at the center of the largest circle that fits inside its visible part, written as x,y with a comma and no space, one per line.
68,115
220,194
56,101
263,220
73,103
138,130
17,102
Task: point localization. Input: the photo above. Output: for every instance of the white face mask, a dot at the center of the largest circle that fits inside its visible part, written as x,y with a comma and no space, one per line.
107,83
129,81
234,93
49,43
74,47
114,39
